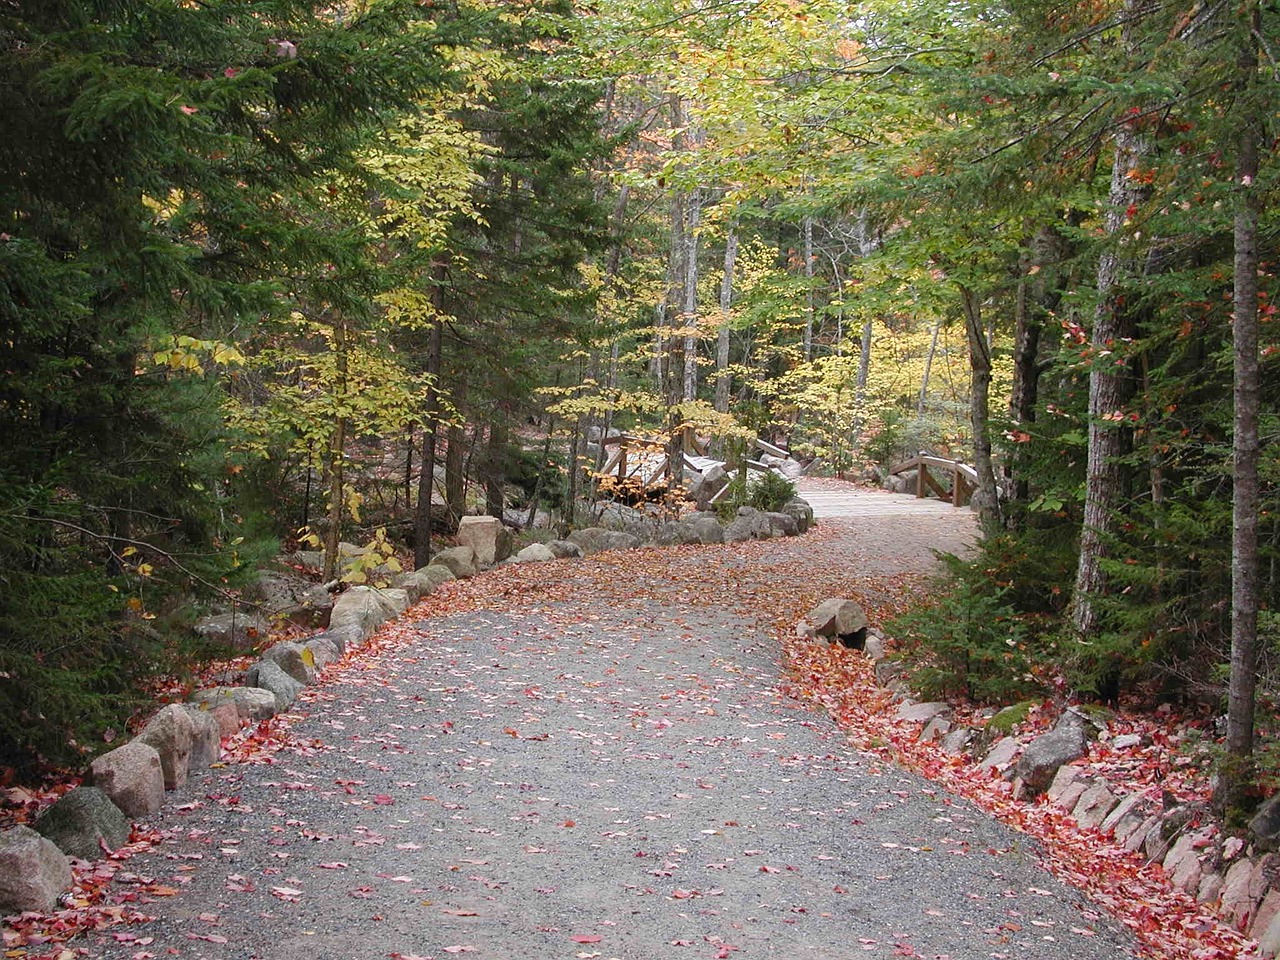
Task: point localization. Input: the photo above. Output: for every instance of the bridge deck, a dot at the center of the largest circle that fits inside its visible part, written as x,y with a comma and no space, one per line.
830,501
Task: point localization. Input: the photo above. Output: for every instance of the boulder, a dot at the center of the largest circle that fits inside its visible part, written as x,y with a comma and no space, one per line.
1043,756
749,524
269,675
935,729
323,650
707,526
801,512
1001,756
1094,805
84,823
677,534
782,525
170,732
33,872
237,630
1129,814
206,735
132,777
251,703
1243,888
874,647
839,620
565,549
294,659
460,561
366,608
535,553
423,581
956,741
285,596
1265,825
1067,787
923,712
341,638
490,540
597,540
1182,863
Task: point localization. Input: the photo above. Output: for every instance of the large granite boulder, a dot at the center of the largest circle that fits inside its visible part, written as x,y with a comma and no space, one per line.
237,630
782,525
840,620
366,609
460,561
801,512
206,736
170,732
294,659
1039,763
487,536
269,675
287,596
251,703
707,526
534,553
677,533
84,823
33,872
323,650
565,549
598,539
132,777
749,524
423,581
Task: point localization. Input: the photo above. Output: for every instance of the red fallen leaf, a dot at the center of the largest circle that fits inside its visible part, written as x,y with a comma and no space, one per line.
211,937
586,938
286,893
383,800
460,948
333,865
768,869
460,913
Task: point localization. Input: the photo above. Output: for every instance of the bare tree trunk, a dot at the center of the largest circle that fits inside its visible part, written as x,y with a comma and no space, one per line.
928,368
431,427
1245,570
455,478
689,306
807,250
1110,386
723,380
986,499
495,478
337,456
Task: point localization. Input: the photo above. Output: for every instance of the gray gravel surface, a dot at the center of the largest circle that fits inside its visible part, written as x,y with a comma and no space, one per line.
594,773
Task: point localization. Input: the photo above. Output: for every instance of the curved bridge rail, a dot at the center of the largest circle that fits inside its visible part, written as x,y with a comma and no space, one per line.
963,477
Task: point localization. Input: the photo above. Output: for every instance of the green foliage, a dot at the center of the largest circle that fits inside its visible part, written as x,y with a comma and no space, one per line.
971,641
767,491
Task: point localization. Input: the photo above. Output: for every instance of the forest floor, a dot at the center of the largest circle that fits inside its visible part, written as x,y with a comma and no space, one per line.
630,756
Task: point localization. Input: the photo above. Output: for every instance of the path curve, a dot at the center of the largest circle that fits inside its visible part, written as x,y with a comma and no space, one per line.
593,759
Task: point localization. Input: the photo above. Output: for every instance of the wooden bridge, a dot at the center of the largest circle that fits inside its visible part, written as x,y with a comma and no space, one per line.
963,478
641,463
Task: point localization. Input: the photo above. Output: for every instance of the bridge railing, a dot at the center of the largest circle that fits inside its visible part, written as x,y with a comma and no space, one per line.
964,478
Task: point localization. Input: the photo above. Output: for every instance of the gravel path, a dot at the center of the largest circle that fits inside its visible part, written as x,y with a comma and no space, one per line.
595,761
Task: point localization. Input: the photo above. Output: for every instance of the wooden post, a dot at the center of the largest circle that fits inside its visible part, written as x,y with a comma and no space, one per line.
921,467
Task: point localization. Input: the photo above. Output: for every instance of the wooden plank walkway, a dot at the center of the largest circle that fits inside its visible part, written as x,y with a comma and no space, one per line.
830,502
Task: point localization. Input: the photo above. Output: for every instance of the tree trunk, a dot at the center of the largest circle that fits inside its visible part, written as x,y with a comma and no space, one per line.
495,479
1110,386
986,499
689,305
928,368
1245,598
431,418
455,474
723,380
336,457
807,250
